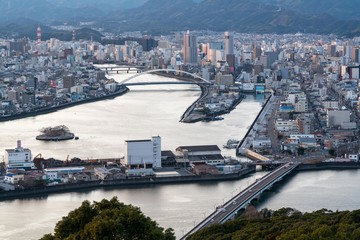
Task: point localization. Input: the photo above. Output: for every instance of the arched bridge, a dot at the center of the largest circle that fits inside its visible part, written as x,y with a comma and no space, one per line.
196,79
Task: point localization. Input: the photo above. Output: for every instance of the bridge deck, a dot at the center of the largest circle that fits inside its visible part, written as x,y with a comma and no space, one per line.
256,156
241,200
162,83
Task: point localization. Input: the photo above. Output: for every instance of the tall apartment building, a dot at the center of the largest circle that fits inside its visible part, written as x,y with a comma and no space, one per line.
190,49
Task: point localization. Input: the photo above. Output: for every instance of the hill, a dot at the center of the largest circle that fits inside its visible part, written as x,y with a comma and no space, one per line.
286,223
163,16
258,16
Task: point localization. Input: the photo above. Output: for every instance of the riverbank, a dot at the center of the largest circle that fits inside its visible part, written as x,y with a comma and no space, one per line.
244,140
144,181
328,166
63,106
190,117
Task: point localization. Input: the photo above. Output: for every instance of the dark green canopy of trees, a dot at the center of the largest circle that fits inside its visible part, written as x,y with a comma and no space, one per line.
108,220
286,224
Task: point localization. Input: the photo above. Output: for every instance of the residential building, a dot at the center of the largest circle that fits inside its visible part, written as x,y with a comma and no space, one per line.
190,51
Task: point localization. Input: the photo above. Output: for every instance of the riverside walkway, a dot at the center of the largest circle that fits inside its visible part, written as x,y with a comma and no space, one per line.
244,198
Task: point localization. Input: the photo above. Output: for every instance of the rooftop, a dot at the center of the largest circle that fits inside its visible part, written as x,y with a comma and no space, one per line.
199,148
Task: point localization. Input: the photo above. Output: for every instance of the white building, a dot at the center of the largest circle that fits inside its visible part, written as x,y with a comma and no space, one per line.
340,118
13,178
286,126
330,105
143,153
57,173
19,158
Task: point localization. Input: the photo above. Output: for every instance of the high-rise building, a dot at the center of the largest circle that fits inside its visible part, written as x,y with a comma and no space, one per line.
229,43
38,34
190,49
355,55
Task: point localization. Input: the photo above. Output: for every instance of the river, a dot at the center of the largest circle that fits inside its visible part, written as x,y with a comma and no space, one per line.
143,112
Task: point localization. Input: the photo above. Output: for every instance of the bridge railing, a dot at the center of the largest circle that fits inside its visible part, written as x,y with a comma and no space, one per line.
289,166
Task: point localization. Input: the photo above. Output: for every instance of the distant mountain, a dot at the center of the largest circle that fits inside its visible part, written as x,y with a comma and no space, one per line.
48,11
162,16
344,9
260,16
27,28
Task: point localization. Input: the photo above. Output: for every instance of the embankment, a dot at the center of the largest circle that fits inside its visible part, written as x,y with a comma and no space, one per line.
35,192
63,106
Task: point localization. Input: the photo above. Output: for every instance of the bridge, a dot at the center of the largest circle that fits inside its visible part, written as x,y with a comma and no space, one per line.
253,155
158,83
194,80
123,68
244,198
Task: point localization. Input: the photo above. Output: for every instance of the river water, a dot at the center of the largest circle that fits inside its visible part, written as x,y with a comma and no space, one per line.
143,112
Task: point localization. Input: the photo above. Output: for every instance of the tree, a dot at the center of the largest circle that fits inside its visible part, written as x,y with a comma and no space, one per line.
301,151
332,152
108,219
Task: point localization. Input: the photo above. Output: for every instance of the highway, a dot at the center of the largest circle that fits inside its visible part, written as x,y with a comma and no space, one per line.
242,199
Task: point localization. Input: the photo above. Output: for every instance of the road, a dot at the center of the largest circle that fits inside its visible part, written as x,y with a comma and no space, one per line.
241,200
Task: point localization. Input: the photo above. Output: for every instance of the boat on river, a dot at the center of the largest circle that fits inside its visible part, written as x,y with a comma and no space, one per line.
57,133
231,144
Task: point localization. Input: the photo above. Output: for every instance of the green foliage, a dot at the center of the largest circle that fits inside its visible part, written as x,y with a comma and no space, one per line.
301,151
287,224
108,220
332,152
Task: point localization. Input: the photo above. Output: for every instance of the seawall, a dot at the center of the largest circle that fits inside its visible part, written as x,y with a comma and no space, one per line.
63,106
328,166
251,126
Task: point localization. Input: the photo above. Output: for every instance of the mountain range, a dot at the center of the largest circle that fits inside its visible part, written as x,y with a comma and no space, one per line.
162,16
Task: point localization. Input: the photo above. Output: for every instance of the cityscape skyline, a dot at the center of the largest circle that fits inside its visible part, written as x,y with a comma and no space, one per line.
173,97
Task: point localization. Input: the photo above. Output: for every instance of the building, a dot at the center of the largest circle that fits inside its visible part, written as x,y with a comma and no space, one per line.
286,126
330,105
190,49
143,153
229,43
59,173
224,79
209,154
68,81
305,124
355,55
19,158
13,178
204,169
339,118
